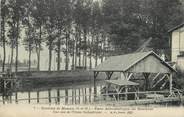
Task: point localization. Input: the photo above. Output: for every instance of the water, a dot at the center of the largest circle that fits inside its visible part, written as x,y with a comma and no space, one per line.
75,93
70,94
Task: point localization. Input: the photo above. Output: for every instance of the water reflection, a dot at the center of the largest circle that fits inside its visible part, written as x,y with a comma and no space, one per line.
75,93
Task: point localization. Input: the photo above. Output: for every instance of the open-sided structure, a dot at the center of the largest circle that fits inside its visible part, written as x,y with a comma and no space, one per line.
120,85
145,63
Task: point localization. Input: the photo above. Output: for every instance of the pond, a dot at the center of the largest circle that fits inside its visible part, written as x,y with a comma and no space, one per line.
68,93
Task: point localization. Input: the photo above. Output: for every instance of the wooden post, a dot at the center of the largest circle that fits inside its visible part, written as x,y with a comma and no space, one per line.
79,95
49,94
146,76
75,96
16,97
38,97
29,96
170,84
85,95
72,95
108,74
138,93
90,94
12,82
4,84
135,98
3,99
95,90
10,98
66,96
119,91
106,91
58,96
83,99
126,90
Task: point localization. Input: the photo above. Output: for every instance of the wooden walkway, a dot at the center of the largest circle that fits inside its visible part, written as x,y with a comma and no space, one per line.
178,100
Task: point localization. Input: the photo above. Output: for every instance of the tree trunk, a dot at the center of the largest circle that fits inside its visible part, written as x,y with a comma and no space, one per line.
3,33
96,57
30,49
12,54
76,47
50,56
4,45
39,49
102,51
12,48
29,66
91,49
16,57
66,57
83,59
4,55
17,47
73,54
79,48
38,58
58,54
85,49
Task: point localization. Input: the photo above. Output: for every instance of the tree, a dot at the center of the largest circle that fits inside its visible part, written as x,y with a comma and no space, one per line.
38,14
96,30
163,15
30,43
11,35
123,24
63,19
82,24
77,17
86,11
83,29
129,23
16,9
30,32
4,11
50,26
67,32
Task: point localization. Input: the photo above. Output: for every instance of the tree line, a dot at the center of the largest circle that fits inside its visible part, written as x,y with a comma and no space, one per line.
85,29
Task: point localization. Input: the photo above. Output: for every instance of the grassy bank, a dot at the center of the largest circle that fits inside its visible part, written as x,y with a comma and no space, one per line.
39,79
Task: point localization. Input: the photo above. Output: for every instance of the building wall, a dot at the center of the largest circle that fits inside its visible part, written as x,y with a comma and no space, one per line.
150,65
177,43
180,64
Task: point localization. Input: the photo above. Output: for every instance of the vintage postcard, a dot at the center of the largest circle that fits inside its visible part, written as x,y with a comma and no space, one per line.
116,58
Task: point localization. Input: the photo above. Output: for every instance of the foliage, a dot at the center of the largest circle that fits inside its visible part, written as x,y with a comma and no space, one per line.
91,28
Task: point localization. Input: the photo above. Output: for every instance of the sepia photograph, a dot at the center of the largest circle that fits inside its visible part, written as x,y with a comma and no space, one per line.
122,58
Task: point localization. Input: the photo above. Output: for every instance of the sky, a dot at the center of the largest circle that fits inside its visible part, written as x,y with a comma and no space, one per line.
23,55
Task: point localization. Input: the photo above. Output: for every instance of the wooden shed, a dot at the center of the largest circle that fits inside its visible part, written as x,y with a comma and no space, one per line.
145,63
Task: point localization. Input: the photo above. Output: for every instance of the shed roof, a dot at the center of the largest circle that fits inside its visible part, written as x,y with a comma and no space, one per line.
124,62
176,27
122,82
